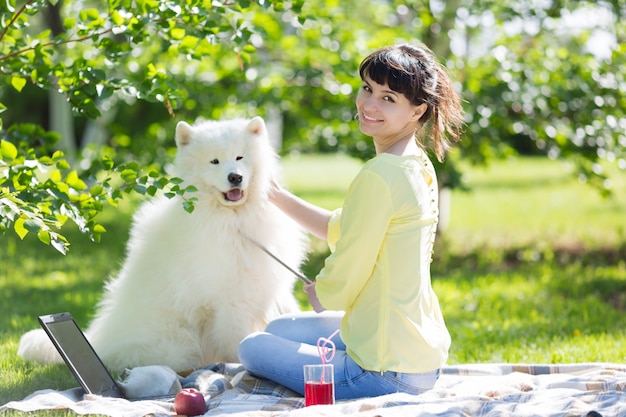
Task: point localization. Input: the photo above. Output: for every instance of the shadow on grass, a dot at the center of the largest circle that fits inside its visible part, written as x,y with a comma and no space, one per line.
523,304
36,279
488,257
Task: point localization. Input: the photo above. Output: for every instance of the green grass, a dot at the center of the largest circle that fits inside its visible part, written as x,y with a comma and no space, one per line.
536,200
531,269
34,280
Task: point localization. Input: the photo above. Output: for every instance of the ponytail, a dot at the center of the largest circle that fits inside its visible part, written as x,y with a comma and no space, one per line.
447,115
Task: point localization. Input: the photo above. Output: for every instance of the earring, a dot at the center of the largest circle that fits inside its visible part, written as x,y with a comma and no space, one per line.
356,116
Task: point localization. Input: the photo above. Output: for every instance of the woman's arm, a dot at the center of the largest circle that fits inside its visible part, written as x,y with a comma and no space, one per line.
312,218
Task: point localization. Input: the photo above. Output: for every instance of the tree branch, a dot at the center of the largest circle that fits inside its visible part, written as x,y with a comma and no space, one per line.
15,16
65,42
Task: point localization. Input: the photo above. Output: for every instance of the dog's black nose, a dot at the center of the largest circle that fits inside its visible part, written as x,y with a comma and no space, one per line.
234,179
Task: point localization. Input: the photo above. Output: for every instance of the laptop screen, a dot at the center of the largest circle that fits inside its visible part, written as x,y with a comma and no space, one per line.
79,355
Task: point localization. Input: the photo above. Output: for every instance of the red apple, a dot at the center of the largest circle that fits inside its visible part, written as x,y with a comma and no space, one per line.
189,402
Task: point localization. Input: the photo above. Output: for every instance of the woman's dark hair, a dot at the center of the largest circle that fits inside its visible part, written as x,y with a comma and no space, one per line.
413,71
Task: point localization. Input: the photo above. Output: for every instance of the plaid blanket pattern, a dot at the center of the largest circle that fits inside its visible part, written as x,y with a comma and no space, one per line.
477,390
231,388
559,390
606,377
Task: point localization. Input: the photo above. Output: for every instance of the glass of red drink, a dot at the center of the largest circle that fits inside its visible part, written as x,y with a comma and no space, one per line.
319,384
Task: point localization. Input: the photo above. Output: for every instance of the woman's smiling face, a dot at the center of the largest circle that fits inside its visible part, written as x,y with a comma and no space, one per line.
385,114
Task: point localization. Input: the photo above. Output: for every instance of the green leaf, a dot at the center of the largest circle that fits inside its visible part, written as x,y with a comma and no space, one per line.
96,190
62,164
177,33
76,183
60,243
189,42
89,14
19,228
129,175
18,83
55,176
32,225
98,228
60,218
69,23
107,163
116,18
161,182
44,236
188,206
8,151
10,5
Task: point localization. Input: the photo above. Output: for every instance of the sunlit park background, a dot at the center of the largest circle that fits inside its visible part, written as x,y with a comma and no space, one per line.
530,263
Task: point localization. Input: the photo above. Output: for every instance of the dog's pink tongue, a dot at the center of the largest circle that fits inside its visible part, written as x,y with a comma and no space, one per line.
234,194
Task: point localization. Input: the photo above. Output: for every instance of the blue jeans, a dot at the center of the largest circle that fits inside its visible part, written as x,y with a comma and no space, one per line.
290,342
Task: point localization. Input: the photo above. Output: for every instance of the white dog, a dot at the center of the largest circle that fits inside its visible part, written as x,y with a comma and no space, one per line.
193,285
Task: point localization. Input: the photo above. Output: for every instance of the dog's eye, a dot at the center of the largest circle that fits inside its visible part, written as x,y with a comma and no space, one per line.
239,158
215,161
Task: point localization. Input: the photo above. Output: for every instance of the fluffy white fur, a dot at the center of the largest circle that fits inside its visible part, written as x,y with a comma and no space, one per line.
192,285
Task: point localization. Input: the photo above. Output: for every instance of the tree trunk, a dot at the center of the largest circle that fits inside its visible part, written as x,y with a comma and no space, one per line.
62,122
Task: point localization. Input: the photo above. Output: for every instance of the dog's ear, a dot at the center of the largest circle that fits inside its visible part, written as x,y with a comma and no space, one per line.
183,134
256,126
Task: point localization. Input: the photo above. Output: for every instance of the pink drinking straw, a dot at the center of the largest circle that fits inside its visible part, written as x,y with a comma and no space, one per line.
326,353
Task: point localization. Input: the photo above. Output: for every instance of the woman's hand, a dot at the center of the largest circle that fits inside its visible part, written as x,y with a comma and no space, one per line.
312,296
312,218
275,191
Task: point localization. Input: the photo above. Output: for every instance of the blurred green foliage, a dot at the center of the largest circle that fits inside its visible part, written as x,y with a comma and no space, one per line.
532,83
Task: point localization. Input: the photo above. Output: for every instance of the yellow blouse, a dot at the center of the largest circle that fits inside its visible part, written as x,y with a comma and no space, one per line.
379,268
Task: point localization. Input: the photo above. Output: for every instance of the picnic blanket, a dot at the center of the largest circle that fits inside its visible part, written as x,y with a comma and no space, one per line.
521,390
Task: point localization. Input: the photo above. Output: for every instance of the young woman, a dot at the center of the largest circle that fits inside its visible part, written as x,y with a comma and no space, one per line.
375,286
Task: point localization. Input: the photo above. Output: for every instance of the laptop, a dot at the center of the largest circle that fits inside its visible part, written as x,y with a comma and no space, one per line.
80,357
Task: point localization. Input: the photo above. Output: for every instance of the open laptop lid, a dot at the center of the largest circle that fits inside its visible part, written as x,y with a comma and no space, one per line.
79,355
